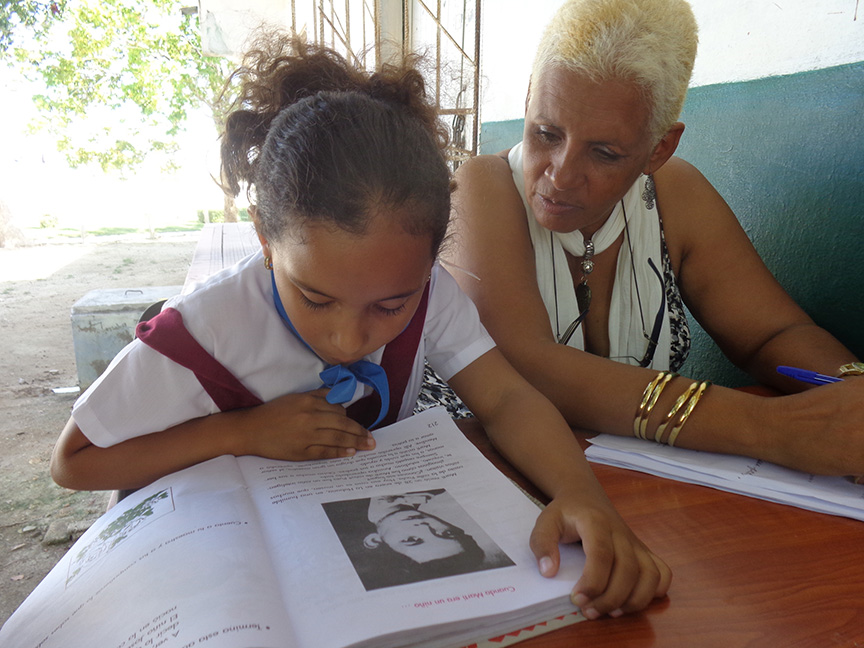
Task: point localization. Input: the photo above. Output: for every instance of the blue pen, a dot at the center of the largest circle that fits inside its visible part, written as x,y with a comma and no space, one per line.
807,376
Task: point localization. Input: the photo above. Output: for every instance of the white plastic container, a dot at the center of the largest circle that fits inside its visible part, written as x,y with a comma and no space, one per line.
103,322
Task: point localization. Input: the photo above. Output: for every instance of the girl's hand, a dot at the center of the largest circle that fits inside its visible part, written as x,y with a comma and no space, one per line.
298,427
294,427
621,574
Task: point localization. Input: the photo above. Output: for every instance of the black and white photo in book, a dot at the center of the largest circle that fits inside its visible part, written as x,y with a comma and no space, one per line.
411,537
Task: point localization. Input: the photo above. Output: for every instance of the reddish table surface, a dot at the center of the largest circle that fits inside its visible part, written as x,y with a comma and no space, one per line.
746,572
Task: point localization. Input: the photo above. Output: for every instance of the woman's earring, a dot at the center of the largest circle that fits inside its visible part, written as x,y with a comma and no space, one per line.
268,263
649,193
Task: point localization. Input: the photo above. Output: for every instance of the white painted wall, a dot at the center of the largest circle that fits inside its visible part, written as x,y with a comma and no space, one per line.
738,40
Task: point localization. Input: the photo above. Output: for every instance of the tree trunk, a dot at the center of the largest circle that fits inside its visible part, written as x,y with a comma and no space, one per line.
10,235
231,214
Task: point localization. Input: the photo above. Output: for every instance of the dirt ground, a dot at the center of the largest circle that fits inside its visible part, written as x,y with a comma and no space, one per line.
39,284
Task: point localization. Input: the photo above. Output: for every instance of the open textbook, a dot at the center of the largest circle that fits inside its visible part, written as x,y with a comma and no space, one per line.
742,475
421,542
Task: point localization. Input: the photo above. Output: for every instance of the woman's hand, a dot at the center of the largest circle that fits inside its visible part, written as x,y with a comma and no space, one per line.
298,427
621,574
820,431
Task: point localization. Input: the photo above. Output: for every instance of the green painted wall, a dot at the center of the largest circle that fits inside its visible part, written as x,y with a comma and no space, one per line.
499,135
787,154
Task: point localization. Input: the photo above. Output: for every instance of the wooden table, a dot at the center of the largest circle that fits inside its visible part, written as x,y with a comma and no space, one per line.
746,572
221,245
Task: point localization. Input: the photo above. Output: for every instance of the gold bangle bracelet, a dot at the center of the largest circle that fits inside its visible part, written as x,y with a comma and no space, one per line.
691,405
646,413
649,399
646,395
658,435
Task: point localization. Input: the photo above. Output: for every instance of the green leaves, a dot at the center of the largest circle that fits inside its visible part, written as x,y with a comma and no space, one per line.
22,17
119,77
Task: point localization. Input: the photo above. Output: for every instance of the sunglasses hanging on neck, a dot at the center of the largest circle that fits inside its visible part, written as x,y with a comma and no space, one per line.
583,290
583,298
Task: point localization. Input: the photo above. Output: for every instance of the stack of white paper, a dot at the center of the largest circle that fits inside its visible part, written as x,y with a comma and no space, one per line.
743,475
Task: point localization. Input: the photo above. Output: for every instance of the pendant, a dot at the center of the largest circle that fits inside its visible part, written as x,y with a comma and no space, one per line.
583,297
588,258
583,292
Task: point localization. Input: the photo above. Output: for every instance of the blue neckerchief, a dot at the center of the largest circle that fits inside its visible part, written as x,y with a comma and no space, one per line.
342,380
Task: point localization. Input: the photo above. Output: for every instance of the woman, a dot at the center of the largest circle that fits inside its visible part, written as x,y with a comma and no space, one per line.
606,233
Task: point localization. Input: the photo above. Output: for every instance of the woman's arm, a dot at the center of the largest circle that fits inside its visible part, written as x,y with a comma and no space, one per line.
491,241
730,291
621,574
294,427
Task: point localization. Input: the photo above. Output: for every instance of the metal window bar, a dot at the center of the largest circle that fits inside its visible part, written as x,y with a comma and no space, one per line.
450,91
355,30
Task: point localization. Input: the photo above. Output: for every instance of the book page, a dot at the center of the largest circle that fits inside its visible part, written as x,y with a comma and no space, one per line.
421,542
178,564
422,531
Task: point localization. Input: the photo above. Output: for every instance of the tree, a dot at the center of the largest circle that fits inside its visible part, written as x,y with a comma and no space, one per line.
17,16
120,79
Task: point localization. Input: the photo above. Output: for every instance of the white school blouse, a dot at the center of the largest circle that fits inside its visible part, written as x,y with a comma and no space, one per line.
233,317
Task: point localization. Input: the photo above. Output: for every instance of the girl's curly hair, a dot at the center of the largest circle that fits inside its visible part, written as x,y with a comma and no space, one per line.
316,139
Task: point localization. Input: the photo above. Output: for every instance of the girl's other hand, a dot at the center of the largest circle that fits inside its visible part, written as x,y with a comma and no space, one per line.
621,574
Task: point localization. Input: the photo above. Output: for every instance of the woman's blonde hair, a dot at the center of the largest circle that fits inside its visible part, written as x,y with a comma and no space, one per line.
651,43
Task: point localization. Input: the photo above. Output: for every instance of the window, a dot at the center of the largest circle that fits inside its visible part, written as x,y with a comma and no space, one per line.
446,32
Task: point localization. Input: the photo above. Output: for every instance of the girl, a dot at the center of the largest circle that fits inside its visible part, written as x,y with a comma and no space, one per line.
352,199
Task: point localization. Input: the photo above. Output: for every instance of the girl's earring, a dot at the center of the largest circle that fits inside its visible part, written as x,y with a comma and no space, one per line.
268,263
